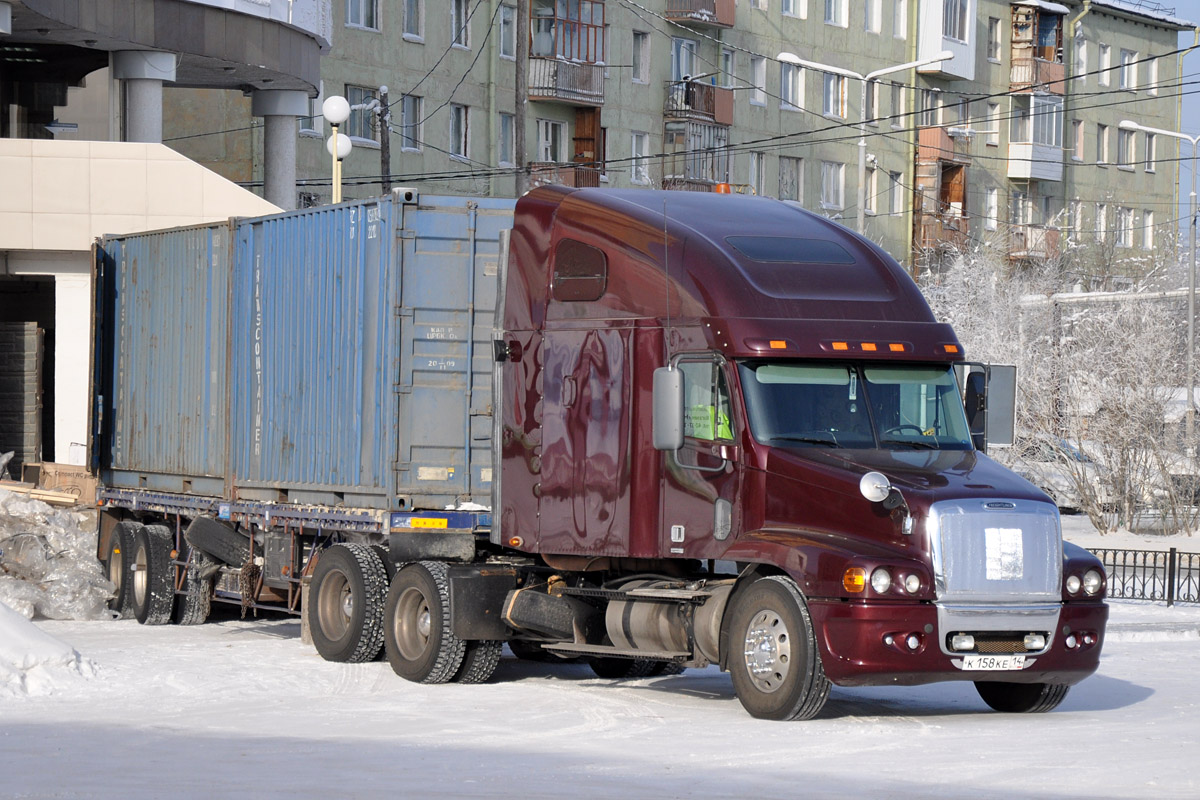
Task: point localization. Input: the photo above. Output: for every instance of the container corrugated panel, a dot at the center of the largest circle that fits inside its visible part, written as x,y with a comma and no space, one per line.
449,256
314,407
169,328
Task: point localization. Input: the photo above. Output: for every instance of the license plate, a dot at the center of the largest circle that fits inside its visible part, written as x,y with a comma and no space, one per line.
993,663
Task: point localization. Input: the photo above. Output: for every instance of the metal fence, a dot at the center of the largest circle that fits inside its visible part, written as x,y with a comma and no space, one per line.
1162,575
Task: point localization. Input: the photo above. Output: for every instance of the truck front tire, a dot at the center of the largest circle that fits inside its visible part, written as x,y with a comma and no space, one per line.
420,644
773,657
1022,698
153,574
345,610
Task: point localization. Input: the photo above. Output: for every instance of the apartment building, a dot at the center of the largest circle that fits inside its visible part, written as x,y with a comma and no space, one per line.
1014,143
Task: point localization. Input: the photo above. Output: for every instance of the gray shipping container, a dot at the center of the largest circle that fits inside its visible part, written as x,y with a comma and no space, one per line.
338,356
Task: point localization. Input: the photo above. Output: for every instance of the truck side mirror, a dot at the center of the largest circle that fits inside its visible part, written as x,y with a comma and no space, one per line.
990,400
668,409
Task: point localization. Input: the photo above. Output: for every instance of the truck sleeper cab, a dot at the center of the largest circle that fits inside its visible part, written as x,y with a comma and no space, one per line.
723,430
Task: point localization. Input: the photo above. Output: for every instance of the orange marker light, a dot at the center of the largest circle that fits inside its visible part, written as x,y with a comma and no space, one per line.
854,579
723,188
951,348
778,344
869,347
896,348
840,346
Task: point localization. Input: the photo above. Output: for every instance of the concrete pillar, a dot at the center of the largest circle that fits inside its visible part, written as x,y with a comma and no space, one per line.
143,73
280,109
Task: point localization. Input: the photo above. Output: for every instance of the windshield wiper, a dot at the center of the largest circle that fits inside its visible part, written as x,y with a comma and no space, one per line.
920,444
829,442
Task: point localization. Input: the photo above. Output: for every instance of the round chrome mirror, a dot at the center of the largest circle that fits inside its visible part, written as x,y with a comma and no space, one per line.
875,486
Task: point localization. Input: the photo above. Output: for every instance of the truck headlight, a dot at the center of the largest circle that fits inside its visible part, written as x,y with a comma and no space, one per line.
1073,584
881,580
1093,580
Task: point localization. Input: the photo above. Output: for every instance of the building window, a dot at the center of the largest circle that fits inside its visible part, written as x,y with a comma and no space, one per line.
458,130
640,165
789,8
834,95
899,120
1101,144
791,178
1151,151
1047,113
572,31
361,124
1045,212
552,140
1020,208
874,15
363,13
872,113
507,144
414,18
758,77
993,42
872,190
992,137
641,57
314,121
1128,75
791,87
410,122
754,177
1148,229
683,58
1124,227
759,4
835,12
1074,217
726,67
991,210
1152,76
1101,222
899,18
1105,65
1125,154
508,32
833,185
1080,59
460,17
930,105
896,190
955,19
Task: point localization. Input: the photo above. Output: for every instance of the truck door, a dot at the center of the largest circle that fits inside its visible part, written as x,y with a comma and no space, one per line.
700,481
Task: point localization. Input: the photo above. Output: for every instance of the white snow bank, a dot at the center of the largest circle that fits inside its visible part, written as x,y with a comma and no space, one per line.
48,562
33,662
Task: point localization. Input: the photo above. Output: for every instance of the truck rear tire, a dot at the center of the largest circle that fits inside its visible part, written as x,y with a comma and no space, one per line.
194,603
1022,698
480,660
773,657
153,574
220,540
345,610
420,645
118,565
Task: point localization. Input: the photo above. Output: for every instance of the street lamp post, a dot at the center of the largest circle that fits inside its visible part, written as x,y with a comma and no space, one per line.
1190,410
792,58
336,110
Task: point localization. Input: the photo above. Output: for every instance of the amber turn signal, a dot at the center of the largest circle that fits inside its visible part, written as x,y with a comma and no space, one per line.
854,580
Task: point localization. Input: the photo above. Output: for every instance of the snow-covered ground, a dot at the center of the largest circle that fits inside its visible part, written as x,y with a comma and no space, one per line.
115,709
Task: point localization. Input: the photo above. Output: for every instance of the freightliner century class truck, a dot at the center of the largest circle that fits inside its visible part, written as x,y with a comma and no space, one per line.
651,430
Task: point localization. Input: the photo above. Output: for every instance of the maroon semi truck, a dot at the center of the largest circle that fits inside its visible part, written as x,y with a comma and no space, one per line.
723,430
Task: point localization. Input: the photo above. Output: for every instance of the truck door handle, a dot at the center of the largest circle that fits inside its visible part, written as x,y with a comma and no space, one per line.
569,391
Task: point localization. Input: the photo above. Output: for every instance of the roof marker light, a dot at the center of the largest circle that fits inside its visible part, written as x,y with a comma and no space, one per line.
778,344
840,346
896,348
950,348
869,347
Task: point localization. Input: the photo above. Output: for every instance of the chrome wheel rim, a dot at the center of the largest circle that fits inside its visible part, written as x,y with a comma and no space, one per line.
767,651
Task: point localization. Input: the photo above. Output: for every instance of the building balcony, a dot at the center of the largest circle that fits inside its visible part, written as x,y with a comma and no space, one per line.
702,13
695,155
576,176
942,144
702,102
941,231
553,80
1029,73
1031,161
1033,242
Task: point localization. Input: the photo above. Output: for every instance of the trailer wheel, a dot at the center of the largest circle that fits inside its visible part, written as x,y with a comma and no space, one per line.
221,541
773,657
420,645
666,668
117,564
622,668
1022,698
345,612
194,603
480,660
153,575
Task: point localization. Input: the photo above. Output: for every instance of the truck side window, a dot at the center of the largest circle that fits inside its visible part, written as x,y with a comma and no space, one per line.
706,401
580,272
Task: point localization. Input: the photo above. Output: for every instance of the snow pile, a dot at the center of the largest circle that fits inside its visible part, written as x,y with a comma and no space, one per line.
33,662
48,562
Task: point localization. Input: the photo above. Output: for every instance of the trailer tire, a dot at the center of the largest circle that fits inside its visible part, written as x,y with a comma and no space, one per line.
194,603
153,584
345,610
1022,698
420,644
773,657
117,564
480,659
221,541
666,668
622,668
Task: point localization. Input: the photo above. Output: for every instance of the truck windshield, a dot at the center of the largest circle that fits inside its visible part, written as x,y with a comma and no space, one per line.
866,406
